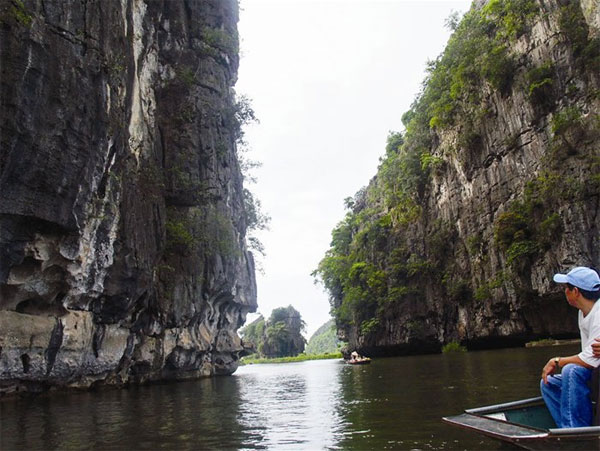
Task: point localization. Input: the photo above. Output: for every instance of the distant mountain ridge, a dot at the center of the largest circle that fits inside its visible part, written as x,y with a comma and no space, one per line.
324,340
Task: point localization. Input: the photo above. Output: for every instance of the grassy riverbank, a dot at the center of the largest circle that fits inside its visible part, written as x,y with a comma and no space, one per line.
299,358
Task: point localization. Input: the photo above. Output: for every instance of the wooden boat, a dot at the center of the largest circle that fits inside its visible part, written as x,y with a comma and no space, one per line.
528,424
359,361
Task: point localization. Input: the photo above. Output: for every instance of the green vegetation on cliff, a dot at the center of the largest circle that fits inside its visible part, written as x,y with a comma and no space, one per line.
280,336
324,340
392,248
453,347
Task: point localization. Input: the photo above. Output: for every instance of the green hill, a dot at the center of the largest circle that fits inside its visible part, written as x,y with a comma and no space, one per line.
324,340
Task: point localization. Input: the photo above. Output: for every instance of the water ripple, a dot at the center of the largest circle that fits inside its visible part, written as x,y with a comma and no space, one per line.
391,404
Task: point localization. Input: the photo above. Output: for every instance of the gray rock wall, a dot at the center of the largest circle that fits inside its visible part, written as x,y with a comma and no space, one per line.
122,225
480,293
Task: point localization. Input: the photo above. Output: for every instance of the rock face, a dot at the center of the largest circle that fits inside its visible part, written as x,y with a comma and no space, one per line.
511,196
123,255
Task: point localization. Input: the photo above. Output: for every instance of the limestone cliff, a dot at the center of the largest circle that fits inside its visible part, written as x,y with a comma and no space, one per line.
491,189
123,255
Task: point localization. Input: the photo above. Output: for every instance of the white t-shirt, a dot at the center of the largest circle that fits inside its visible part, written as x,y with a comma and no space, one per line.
589,328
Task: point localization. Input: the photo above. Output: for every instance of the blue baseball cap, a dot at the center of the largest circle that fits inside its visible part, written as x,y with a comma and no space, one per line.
581,277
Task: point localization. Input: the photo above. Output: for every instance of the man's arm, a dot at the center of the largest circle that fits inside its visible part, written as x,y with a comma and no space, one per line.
550,367
596,347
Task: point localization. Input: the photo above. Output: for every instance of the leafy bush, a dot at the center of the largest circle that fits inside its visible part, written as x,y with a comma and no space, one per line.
18,12
186,75
477,52
565,120
511,226
521,249
179,236
514,15
428,160
575,28
572,132
541,84
523,230
221,39
475,243
256,219
453,346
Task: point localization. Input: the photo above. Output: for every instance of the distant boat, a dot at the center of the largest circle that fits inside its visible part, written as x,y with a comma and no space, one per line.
528,424
359,361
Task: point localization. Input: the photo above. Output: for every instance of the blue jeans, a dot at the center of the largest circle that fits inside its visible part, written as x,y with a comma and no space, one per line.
567,397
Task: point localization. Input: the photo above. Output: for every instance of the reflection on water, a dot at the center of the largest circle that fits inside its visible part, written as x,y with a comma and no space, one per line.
293,405
392,403
163,416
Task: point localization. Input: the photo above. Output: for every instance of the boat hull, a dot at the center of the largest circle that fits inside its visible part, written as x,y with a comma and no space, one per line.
526,424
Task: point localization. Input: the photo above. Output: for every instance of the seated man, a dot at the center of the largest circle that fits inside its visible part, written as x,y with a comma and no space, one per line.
567,394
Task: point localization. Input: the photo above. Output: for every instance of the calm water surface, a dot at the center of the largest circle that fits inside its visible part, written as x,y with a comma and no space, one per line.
393,403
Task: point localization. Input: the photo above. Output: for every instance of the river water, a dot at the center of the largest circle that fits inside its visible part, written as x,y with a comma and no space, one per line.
393,403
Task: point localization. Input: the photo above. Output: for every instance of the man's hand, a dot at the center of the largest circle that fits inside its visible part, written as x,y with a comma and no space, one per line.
596,348
549,369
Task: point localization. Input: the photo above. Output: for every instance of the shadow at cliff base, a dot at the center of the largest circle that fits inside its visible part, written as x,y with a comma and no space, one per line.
478,344
516,341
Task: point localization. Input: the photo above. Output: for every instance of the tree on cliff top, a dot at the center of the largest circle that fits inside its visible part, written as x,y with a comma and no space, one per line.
280,336
253,332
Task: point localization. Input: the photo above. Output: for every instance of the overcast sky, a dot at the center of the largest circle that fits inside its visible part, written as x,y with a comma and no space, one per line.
328,80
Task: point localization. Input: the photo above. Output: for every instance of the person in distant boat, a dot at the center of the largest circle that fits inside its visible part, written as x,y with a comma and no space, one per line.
567,394
355,355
